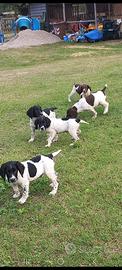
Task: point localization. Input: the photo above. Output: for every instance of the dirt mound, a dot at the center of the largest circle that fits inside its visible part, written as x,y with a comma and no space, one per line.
28,38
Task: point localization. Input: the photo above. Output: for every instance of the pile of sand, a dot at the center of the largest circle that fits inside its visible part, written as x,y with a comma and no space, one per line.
28,38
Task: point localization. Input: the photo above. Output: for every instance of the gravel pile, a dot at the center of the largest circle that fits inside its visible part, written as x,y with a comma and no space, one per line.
28,38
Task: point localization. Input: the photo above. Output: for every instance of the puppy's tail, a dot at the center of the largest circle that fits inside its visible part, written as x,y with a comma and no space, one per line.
103,90
78,120
82,121
54,154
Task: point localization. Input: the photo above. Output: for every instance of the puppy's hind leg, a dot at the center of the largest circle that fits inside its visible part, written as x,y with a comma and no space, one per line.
50,138
53,176
54,184
55,138
78,131
74,134
94,112
106,106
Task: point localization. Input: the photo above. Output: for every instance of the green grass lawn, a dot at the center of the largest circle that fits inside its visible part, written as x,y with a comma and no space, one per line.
81,225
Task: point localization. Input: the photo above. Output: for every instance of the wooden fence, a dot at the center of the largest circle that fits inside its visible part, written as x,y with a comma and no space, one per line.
7,25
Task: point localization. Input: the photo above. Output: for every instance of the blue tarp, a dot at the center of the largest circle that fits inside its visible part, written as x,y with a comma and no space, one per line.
94,35
91,36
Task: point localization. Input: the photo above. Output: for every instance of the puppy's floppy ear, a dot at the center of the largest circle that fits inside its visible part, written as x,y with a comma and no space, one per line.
34,111
37,110
30,112
89,87
47,122
37,122
2,171
20,167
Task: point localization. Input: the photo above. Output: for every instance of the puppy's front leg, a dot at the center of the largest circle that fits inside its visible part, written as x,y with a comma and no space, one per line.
16,191
94,112
32,127
50,138
25,193
32,134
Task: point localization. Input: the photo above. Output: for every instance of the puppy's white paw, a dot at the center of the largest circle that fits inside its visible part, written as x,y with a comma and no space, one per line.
94,116
47,145
53,192
21,201
31,140
71,144
16,195
105,112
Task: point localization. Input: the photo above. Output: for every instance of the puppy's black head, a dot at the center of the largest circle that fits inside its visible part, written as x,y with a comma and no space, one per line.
42,122
86,89
82,88
72,112
9,170
34,111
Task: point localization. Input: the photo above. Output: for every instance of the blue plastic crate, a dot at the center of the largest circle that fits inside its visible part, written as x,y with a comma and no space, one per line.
1,37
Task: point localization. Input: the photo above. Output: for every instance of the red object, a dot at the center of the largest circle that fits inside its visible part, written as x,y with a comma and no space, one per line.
75,27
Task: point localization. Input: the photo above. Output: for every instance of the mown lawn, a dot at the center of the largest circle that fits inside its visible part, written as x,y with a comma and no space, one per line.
81,225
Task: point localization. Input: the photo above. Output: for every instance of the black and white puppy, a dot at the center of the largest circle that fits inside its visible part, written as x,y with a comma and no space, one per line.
88,103
53,126
34,112
79,88
22,173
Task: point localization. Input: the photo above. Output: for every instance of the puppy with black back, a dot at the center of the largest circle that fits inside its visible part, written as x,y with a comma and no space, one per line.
20,174
36,111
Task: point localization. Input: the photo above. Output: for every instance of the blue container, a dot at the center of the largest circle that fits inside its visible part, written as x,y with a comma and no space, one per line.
1,37
23,23
65,38
35,24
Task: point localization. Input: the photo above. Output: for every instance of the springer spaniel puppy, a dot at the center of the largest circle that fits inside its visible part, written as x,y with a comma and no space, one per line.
34,112
88,103
53,126
79,88
22,173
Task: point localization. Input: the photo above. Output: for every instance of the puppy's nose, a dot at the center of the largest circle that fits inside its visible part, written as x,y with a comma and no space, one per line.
42,128
12,179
